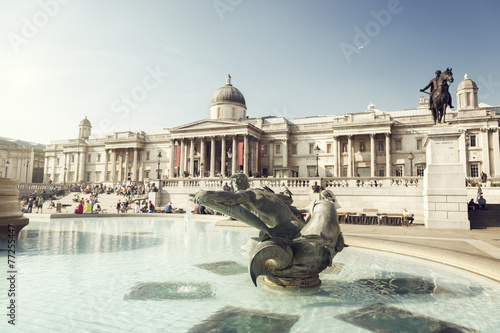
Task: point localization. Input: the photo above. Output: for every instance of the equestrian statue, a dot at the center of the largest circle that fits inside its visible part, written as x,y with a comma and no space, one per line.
439,96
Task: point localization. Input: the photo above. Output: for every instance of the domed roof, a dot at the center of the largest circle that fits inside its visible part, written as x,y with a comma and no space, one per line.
85,122
228,94
467,84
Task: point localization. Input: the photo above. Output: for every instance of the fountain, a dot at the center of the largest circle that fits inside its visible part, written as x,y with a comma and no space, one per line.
11,217
289,252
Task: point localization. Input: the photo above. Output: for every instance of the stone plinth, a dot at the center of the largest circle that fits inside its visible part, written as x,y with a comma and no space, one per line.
10,208
445,194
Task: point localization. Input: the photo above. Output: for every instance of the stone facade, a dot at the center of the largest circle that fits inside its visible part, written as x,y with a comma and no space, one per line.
22,160
368,144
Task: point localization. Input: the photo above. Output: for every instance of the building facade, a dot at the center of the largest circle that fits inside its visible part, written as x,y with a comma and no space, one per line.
371,143
22,160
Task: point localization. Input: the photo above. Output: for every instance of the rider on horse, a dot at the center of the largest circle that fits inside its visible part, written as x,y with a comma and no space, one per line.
433,84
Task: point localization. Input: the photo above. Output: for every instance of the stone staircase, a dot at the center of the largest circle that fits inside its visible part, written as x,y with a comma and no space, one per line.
482,219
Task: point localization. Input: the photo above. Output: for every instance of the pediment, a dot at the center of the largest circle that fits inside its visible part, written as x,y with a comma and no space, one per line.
208,125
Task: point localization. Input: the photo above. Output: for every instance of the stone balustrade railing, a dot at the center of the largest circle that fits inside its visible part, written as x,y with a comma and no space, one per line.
302,182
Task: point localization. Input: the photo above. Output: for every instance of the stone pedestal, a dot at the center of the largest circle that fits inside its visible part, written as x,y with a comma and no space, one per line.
445,194
11,217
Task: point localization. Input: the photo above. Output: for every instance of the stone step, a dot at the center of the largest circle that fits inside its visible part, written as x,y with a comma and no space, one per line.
489,218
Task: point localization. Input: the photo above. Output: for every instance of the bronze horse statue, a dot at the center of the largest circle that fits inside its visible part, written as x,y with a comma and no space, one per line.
440,97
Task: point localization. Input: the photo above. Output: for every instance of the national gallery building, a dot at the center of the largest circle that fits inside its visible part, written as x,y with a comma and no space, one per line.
371,143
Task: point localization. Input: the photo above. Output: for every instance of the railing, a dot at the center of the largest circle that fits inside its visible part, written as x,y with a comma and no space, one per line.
303,182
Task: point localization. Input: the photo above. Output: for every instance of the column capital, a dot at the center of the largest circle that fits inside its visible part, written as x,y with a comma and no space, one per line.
372,135
284,141
388,134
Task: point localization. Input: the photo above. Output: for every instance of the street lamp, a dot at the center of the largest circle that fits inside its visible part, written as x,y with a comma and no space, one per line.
229,156
202,170
159,159
6,167
316,151
411,157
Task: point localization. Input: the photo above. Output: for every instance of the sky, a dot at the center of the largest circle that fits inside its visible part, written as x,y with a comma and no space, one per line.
147,65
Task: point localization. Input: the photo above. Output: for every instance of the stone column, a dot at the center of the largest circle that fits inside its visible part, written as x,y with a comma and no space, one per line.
463,150
212,157
486,151
496,152
270,153
223,157
54,168
113,165
191,157
349,156
105,177
445,194
203,154
285,152
234,159
172,159
134,170
245,154
181,160
66,168
373,157
388,155
336,156
127,155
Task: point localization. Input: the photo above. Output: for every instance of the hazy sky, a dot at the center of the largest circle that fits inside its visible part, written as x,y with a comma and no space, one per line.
148,65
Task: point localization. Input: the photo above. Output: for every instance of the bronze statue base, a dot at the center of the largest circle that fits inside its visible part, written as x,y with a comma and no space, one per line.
292,283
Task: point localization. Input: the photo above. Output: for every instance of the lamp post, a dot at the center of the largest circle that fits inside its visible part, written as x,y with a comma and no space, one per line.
64,175
202,170
229,156
27,169
316,151
159,159
411,157
6,167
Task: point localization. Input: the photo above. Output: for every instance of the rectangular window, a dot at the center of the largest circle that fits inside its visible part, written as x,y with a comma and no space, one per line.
108,176
420,170
98,157
399,171
311,171
473,142
294,149
58,161
474,170
264,152
329,171
419,144
147,156
344,171
89,158
278,149
88,176
381,146
468,98
344,147
362,147
311,148
73,158
398,144
381,171
147,174
328,148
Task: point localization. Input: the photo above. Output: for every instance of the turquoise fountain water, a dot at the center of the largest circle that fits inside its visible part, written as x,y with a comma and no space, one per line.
156,275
